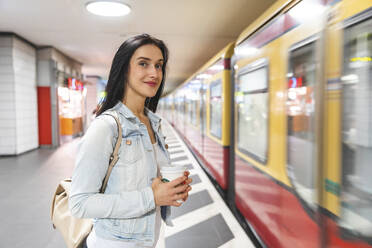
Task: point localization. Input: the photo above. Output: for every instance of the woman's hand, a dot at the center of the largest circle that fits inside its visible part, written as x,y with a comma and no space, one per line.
188,181
167,194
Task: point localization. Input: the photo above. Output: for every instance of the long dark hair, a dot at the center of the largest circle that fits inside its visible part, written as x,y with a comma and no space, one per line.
120,68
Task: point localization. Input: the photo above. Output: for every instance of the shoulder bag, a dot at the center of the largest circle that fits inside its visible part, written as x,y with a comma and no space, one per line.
74,230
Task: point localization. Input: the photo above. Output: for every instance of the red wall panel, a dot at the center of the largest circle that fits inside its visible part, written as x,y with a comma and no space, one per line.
44,115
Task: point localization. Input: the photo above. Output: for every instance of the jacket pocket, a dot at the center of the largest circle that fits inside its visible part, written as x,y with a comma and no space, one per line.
130,150
124,176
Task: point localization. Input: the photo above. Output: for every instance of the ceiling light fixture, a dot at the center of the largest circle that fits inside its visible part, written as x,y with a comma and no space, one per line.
108,8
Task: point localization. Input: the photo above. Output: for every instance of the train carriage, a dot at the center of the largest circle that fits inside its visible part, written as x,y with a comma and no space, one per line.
294,163
300,120
203,118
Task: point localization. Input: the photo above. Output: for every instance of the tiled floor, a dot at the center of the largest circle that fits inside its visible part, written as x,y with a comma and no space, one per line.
204,221
28,181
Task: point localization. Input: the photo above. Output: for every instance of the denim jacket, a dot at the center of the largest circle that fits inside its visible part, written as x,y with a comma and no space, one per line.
126,211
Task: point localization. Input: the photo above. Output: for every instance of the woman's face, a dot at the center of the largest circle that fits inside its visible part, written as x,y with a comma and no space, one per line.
145,71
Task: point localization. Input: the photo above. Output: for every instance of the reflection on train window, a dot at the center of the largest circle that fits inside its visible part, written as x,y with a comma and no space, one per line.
300,107
357,129
203,111
193,103
170,106
180,103
215,104
252,103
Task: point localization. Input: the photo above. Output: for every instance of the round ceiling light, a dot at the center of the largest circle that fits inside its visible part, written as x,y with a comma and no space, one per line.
108,8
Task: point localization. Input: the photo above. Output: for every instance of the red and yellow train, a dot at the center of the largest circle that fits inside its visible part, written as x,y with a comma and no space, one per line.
282,121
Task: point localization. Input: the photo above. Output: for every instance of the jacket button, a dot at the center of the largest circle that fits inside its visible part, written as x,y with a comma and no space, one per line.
166,146
128,142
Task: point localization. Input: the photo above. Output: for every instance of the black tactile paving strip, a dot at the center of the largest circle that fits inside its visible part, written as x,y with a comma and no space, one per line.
210,233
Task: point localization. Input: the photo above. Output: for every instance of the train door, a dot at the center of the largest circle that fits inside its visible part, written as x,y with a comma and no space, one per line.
301,111
347,181
304,111
193,132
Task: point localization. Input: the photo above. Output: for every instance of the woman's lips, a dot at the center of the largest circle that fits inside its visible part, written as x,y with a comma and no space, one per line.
152,84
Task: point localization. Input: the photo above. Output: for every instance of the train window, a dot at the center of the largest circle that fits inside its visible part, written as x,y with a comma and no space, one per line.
203,100
252,104
357,128
187,110
215,105
300,108
193,112
180,106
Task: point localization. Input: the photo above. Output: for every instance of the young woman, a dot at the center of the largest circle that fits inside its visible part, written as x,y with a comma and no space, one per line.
129,213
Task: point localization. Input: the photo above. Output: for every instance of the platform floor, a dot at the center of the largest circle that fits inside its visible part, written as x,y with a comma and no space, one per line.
28,182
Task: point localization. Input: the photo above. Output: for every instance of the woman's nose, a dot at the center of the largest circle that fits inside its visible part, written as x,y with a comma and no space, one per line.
153,71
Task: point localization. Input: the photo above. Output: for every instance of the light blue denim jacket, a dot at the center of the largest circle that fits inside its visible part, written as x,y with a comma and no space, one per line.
126,211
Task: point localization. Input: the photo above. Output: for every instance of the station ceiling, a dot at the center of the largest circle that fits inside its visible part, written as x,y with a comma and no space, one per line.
194,30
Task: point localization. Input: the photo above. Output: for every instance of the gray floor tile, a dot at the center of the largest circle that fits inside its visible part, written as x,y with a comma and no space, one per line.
172,142
177,151
179,159
195,179
189,166
194,202
210,233
174,146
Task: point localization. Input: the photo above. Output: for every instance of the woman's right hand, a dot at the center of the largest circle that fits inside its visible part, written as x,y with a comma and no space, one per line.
167,194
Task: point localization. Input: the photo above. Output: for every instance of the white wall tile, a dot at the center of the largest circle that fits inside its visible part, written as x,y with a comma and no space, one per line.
7,105
6,51
6,41
7,98
20,100
7,87
6,69
7,123
6,77
7,140
26,96
7,114
7,132
24,80
23,47
6,60
7,149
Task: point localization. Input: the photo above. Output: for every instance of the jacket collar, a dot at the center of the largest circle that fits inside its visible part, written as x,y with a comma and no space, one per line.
124,110
127,113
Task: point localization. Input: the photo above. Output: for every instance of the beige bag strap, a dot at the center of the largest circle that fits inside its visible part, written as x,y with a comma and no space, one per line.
114,156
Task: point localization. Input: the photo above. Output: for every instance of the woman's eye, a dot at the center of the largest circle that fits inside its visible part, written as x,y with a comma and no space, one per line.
158,66
144,64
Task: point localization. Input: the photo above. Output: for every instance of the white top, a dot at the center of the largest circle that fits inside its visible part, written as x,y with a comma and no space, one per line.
93,241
